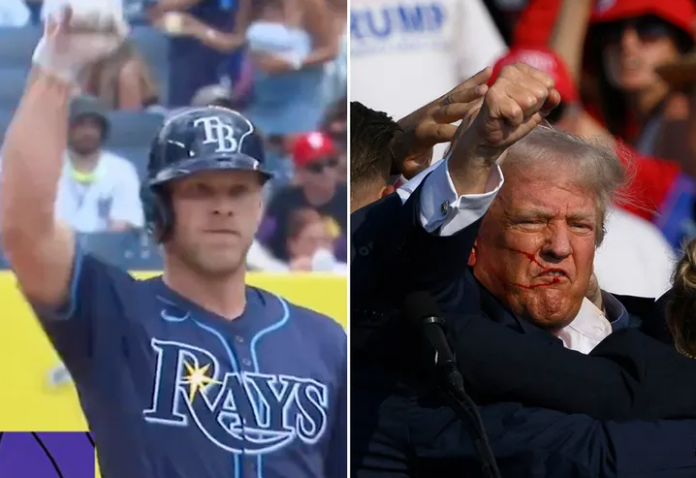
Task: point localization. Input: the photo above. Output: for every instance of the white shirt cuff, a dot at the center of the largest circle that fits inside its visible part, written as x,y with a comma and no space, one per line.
441,209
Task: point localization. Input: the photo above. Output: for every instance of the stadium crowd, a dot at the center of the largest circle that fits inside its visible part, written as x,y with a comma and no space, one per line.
280,62
556,237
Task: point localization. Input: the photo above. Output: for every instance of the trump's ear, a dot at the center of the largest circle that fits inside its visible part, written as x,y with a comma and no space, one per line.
472,255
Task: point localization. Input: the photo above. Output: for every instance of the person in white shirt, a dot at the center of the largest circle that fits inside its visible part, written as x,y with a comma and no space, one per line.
635,258
98,190
404,53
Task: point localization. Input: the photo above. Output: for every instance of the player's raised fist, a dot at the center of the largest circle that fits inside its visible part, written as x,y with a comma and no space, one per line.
78,33
514,105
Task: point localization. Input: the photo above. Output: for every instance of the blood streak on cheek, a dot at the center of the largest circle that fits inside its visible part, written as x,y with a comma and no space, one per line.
532,258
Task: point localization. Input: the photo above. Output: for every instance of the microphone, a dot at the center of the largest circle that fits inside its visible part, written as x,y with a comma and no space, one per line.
423,312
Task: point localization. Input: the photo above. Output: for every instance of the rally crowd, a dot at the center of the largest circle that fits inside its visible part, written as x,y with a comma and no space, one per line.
280,62
554,239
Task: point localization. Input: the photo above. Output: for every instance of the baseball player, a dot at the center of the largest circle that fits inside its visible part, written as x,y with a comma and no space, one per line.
192,374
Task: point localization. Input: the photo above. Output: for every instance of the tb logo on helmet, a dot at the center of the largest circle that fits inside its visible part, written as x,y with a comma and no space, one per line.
227,138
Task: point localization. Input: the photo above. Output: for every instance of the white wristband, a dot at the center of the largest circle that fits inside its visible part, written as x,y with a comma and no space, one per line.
45,59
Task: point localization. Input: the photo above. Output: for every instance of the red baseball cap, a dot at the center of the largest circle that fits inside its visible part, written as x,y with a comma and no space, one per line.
311,147
545,60
680,13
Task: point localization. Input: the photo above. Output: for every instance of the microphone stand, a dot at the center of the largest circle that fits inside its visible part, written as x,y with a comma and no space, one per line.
451,384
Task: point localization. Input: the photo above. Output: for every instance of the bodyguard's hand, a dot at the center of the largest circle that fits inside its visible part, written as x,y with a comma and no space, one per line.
514,105
432,124
78,34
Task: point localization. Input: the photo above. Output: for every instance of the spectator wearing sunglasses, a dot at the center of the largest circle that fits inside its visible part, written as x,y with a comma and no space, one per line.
316,186
628,40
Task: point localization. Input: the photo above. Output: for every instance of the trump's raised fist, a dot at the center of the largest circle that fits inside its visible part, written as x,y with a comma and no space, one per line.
514,105
77,34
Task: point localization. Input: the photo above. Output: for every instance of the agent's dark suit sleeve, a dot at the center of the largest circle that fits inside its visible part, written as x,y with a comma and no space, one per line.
629,375
391,253
539,443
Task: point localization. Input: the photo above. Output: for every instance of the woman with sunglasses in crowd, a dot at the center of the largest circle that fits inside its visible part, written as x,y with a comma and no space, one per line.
627,41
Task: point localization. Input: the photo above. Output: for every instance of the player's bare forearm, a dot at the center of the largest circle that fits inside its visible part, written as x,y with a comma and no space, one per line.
32,157
39,250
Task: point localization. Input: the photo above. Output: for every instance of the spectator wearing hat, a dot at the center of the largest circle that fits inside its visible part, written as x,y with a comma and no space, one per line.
628,41
317,186
98,190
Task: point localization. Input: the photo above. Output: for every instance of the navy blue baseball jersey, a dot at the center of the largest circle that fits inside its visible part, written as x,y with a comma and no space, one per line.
171,390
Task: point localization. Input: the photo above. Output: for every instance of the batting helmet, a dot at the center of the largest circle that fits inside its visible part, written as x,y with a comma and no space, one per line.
196,140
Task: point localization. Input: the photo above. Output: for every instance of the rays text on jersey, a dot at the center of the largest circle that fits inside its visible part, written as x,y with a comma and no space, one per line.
192,388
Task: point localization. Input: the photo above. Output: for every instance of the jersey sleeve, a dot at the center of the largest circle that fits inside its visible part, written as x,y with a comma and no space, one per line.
86,324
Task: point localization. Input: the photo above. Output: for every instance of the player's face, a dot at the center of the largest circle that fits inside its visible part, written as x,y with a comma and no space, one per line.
85,136
536,245
217,215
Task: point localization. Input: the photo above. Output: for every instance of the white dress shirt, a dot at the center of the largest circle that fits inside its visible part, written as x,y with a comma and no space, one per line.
441,207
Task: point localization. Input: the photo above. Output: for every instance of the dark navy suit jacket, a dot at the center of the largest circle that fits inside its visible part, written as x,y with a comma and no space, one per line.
400,426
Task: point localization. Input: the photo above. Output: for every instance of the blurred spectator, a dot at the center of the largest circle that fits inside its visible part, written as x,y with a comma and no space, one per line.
214,95
317,187
629,40
49,6
309,243
98,190
14,13
404,54
336,126
123,81
193,63
259,259
337,70
289,42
